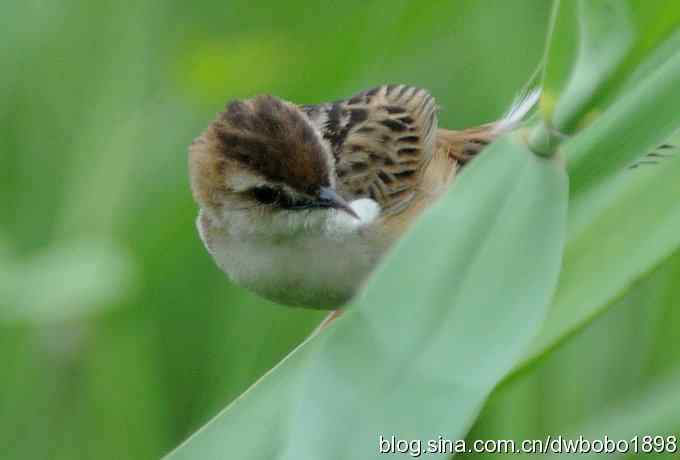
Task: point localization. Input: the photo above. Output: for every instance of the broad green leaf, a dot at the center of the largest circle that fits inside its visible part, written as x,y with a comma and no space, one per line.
643,118
598,49
622,222
627,351
651,400
611,79
650,412
618,393
616,237
443,321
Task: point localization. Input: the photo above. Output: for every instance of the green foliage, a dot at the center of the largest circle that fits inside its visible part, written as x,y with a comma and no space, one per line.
120,337
393,360
613,230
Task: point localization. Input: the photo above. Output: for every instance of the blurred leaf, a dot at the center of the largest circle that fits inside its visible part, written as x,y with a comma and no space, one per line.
214,71
650,412
612,72
597,48
635,125
616,239
630,397
622,223
416,361
123,391
66,281
595,372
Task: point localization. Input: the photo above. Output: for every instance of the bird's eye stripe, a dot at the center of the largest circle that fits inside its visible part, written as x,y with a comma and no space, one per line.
266,195
274,196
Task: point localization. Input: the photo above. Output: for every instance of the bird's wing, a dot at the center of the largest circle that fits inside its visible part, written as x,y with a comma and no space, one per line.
382,140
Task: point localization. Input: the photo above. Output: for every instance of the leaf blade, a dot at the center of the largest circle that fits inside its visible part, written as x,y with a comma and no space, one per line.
391,363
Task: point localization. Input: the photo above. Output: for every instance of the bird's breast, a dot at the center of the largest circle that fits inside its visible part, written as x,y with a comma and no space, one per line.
319,262
310,271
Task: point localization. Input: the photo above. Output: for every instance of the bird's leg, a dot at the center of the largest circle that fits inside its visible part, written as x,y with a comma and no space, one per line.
332,316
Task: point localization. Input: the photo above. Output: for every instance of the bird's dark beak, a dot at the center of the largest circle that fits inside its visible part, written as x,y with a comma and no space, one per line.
328,198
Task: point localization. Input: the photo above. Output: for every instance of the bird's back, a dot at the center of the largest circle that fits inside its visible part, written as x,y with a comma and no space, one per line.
387,147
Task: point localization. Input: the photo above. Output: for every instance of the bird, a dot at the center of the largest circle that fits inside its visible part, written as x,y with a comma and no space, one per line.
300,203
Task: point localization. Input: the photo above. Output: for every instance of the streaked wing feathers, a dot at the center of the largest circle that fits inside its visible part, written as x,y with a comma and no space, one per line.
383,140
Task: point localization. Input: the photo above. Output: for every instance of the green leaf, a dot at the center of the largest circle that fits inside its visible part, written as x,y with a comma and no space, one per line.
649,401
634,126
447,316
598,50
616,237
612,73
623,93
625,352
67,280
649,413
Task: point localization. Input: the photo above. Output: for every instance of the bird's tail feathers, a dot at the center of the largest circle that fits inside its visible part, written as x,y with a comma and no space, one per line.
521,107
465,144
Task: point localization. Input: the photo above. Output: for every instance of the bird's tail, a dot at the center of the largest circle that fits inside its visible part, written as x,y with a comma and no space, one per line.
465,144
521,107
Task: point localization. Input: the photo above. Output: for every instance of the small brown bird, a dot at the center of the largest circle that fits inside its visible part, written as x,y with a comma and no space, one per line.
299,202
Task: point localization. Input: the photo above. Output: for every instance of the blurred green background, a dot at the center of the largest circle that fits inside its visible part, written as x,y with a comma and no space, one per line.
118,335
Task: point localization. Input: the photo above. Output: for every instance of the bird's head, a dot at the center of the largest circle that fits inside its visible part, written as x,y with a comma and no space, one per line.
262,163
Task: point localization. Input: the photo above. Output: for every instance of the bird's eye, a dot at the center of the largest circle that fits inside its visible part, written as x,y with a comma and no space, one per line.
266,195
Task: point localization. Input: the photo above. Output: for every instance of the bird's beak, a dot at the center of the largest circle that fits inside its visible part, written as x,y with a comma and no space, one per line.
328,198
